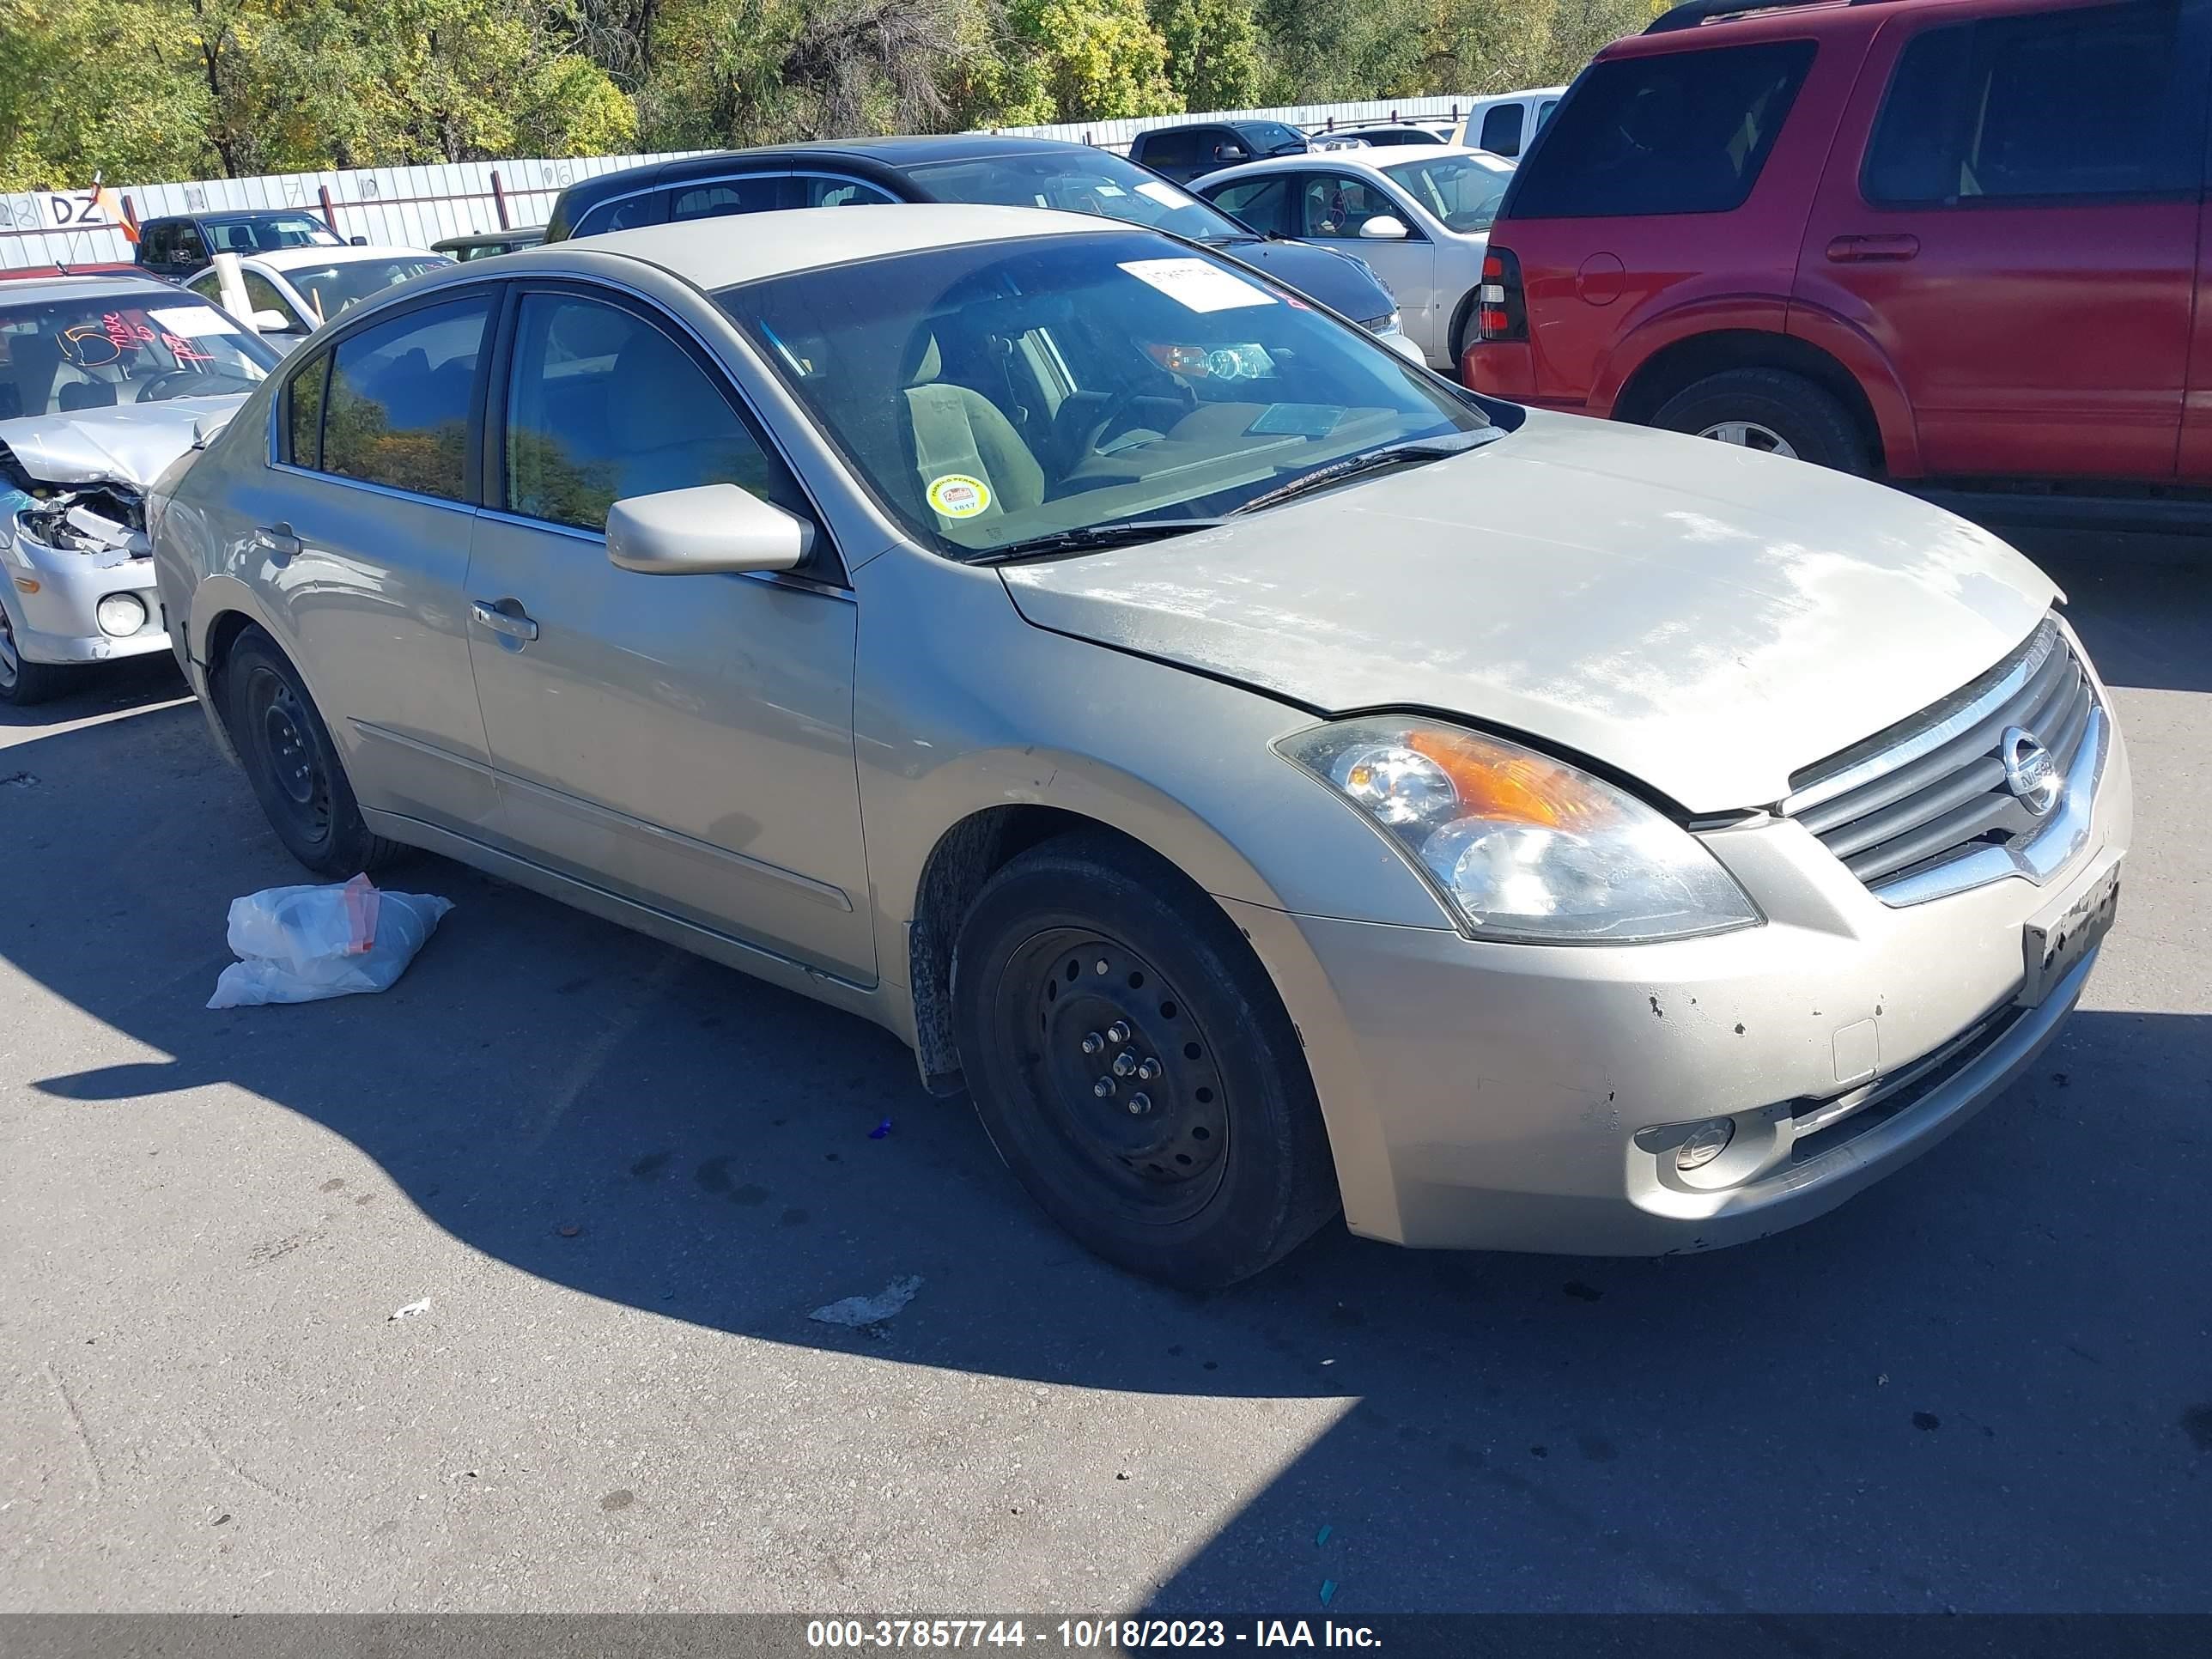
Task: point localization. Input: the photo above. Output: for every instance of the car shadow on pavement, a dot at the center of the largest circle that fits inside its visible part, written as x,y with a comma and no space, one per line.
1982,1383
2132,611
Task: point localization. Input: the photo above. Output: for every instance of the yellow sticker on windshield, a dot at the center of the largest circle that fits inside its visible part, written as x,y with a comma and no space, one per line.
957,495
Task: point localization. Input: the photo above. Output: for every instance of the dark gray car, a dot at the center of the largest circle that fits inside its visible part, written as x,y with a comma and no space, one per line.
973,167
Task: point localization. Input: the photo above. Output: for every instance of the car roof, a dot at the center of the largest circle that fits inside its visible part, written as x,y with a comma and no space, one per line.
229,213
291,259
38,290
717,252
1374,157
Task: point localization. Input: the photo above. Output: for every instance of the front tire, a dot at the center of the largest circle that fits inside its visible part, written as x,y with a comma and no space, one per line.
23,683
292,763
1770,410
1134,1068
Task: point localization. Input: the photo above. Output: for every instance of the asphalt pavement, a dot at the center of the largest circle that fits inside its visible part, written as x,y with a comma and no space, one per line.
612,1181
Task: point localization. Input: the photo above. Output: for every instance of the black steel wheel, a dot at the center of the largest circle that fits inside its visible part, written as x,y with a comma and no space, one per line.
292,763
1134,1067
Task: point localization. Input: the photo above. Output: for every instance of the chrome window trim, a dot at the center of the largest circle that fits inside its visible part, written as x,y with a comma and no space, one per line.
607,203
2038,858
375,488
1908,750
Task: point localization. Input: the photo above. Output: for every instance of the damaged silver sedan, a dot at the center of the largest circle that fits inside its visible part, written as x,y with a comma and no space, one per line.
104,383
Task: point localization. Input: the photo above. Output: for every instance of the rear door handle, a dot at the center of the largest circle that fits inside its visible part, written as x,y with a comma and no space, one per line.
512,623
277,541
1854,250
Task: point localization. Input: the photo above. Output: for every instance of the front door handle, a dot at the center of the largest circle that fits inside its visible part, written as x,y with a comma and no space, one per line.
1855,249
277,541
512,623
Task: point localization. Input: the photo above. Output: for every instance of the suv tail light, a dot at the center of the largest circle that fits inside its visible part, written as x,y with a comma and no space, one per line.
1501,313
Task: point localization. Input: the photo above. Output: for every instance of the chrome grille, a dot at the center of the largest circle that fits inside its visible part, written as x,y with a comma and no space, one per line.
1930,807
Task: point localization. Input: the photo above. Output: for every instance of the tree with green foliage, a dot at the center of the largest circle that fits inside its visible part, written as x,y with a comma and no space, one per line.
1213,51
144,90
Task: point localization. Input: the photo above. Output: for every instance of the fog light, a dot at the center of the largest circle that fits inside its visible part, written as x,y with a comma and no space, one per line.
1706,1142
121,614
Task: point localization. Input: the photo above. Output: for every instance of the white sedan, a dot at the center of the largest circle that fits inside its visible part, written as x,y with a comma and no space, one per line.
1419,214
293,291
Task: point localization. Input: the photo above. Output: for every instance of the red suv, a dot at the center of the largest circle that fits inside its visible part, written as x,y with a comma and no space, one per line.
1956,243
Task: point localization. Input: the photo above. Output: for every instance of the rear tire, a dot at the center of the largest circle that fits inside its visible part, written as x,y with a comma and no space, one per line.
292,763
22,683
1770,409
1160,1110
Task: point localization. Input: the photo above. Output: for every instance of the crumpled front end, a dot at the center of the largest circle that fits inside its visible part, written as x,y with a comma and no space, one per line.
78,567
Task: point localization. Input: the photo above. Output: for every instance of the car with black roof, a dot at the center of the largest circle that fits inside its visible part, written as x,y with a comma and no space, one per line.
983,169
180,245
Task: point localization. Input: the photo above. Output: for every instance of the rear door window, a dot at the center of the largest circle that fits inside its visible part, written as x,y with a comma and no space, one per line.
1171,150
2107,101
1501,130
1259,202
1685,132
400,392
725,196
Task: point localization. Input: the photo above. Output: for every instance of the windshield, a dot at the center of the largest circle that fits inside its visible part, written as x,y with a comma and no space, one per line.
1095,181
102,351
260,234
1271,137
1459,190
994,393
329,290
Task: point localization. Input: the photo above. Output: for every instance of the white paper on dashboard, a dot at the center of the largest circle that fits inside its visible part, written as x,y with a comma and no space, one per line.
1197,285
1165,195
193,322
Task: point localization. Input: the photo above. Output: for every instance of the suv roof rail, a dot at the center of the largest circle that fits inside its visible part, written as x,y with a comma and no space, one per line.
1692,13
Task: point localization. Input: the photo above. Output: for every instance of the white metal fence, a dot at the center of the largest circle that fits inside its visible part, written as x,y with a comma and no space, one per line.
414,207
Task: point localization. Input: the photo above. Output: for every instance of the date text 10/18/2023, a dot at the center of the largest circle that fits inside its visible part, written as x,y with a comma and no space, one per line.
1083,1635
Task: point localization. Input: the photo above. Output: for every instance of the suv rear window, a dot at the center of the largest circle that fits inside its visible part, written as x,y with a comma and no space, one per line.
1673,132
2108,101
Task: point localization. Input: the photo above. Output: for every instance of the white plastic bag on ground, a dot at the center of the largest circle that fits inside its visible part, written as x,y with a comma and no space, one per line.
302,943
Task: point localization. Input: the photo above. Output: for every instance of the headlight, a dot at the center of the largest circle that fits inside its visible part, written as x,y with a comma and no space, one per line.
1388,324
1522,847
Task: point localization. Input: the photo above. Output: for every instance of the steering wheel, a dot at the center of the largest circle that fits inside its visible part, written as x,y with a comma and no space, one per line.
170,383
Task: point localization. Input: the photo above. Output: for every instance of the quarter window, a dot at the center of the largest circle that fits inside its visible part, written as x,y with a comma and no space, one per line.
398,408
303,418
1684,131
603,406
2108,101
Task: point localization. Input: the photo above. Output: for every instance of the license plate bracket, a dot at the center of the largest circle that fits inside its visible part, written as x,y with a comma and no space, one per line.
2052,947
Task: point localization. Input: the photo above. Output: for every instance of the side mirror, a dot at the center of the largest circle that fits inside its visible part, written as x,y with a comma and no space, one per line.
707,528
358,242
269,321
1384,228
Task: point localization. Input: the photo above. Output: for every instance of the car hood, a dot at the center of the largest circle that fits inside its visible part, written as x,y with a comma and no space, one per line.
1341,283
129,443
1701,617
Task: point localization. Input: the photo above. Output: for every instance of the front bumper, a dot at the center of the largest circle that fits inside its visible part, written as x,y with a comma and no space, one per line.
1489,1095
54,596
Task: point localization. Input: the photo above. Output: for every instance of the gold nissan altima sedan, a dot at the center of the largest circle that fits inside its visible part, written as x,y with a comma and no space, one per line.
1265,777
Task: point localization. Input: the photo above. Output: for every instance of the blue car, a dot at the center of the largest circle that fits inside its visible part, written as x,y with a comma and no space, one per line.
976,168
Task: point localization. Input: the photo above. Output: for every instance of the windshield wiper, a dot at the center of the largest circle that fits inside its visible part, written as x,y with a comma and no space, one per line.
1408,454
1089,538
